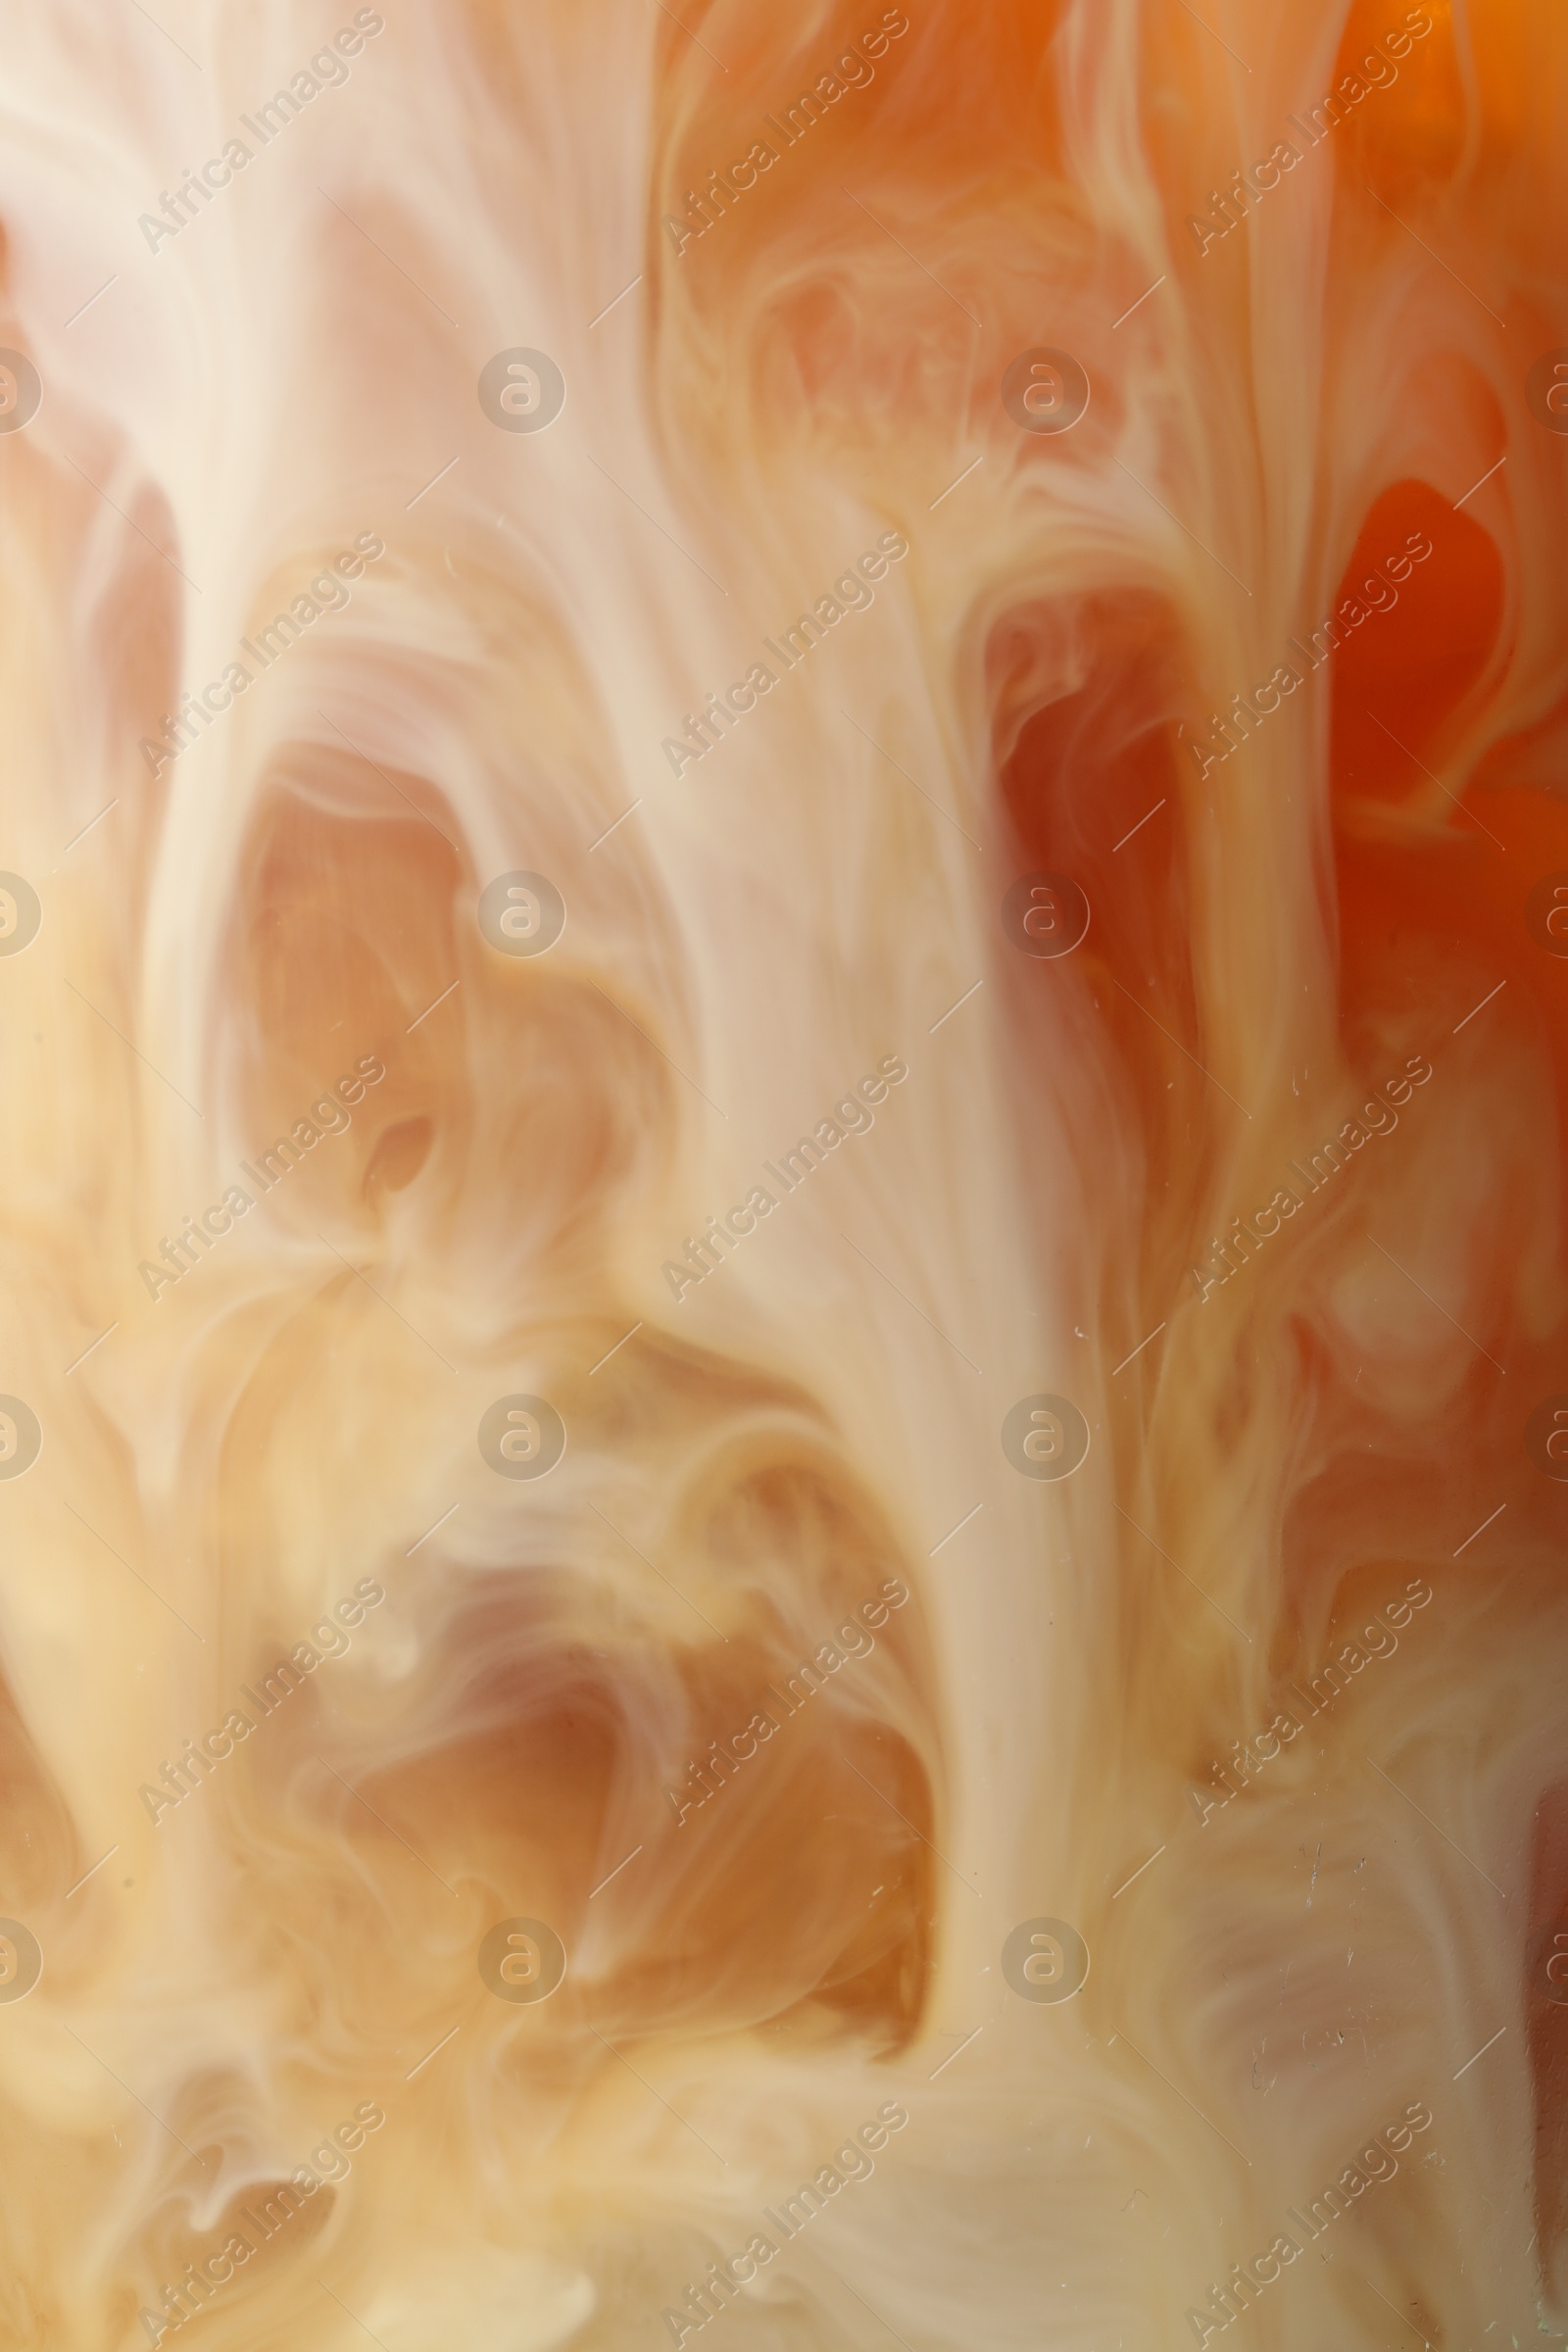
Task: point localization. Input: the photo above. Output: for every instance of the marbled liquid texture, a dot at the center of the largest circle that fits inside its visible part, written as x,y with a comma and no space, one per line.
760,1582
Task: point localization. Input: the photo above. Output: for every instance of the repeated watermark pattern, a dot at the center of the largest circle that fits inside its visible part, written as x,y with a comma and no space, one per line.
709,2298
327,592
1378,1637
1045,915
21,391
851,69
852,1114
21,914
1376,2163
1044,390
21,1960
523,1960
327,69
1045,1960
521,390
1230,206
1244,717
328,1114
1545,390
522,913
797,381
725,1756
1229,1253
198,1761
21,1436
264,2218
1046,1437
852,592
522,1436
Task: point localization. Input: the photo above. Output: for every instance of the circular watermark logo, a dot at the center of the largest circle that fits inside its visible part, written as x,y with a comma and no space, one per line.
21,1436
1044,1437
20,914
1546,391
1548,1963
523,1436
1045,391
522,391
1547,914
21,391
1547,1437
522,913
1045,915
521,1960
21,1960
1045,1960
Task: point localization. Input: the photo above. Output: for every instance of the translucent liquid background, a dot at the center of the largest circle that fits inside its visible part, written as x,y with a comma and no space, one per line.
783,1394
